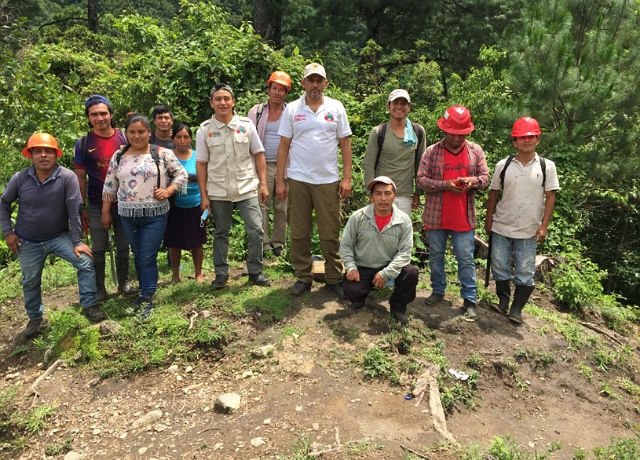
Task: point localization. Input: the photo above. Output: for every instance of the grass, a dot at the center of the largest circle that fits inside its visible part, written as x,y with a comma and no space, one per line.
18,420
191,320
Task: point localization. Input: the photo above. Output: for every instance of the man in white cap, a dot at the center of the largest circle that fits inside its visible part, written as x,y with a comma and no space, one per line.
310,131
450,173
376,250
394,150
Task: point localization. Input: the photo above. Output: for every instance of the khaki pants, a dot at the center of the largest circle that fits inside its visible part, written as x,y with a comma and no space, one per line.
276,238
304,199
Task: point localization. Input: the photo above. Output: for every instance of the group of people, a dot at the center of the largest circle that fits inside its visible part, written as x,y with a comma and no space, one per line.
151,186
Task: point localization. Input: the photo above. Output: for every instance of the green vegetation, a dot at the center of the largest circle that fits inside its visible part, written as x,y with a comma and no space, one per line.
18,421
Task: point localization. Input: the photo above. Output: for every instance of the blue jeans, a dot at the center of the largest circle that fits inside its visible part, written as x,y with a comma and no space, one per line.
524,255
251,214
145,237
32,257
463,248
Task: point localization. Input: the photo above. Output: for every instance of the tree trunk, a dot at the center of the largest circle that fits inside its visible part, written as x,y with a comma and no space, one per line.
267,20
261,18
92,15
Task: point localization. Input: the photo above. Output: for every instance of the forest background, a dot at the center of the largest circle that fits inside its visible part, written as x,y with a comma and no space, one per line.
572,64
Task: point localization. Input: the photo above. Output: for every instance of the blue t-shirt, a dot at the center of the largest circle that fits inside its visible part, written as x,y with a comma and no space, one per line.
192,198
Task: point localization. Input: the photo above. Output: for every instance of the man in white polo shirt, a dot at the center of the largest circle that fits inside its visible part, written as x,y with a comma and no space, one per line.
311,129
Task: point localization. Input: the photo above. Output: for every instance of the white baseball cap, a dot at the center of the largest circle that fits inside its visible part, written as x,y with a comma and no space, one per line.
398,93
314,68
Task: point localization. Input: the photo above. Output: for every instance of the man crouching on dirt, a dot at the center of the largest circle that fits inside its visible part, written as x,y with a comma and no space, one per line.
376,248
48,222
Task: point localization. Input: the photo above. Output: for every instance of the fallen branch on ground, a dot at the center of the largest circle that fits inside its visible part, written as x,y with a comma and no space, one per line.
48,372
607,334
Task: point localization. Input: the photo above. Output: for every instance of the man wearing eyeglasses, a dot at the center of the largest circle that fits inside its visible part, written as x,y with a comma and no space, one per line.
311,130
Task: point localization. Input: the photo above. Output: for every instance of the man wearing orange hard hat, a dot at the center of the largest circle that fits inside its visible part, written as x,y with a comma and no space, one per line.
266,116
450,173
519,221
48,222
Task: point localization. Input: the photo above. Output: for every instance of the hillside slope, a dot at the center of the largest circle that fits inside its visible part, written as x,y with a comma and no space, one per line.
529,382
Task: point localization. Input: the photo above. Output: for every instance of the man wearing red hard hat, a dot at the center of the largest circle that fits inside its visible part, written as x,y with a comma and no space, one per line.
48,222
520,219
450,173
266,116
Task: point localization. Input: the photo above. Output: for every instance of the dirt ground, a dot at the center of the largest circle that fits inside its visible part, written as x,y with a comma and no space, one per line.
310,391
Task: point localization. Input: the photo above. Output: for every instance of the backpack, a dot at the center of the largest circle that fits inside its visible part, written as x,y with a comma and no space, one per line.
543,166
154,154
259,113
382,132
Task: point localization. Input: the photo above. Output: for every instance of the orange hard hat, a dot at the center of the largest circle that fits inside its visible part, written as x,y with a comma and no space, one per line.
41,140
526,126
280,77
456,120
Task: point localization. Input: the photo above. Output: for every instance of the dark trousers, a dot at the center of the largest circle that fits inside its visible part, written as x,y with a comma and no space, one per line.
404,292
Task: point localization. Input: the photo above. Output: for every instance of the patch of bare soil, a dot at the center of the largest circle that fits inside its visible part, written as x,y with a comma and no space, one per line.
311,389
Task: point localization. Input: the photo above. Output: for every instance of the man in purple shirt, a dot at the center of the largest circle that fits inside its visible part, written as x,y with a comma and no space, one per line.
48,222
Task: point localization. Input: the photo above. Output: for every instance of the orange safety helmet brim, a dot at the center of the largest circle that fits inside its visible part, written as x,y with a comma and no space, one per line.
456,120
526,126
280,77
41,140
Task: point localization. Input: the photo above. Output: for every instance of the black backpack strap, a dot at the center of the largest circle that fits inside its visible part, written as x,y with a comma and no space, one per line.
156,159
83,144
382,132
121,152
259,113
420,132
504,170
543,166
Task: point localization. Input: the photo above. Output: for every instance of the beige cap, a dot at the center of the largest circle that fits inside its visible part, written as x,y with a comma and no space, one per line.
314,68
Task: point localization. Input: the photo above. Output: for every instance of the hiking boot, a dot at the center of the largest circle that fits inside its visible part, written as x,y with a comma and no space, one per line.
126,290
336,288
33,327
470,309
277,251
220,281
434,298
259,280
94,313
357,305
300,287
400,317
147,307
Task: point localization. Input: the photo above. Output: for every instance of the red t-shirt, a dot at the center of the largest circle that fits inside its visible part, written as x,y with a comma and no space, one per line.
454,205
382,222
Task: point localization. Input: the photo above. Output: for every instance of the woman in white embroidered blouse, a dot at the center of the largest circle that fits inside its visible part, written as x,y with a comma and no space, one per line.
141,178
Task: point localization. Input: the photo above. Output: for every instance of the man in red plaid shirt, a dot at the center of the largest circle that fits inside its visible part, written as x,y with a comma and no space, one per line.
450,172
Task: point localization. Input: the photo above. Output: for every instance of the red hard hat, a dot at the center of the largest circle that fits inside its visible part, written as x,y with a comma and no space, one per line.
456,120
280,77
41,140
525,126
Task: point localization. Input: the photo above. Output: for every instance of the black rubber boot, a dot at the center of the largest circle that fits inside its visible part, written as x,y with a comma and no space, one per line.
503,290
122,271
99,266
520,297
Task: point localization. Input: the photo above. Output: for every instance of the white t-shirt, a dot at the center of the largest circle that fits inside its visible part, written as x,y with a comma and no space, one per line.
313,155
521,208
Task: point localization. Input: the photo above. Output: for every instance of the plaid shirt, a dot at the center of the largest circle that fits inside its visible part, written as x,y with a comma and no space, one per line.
430,179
